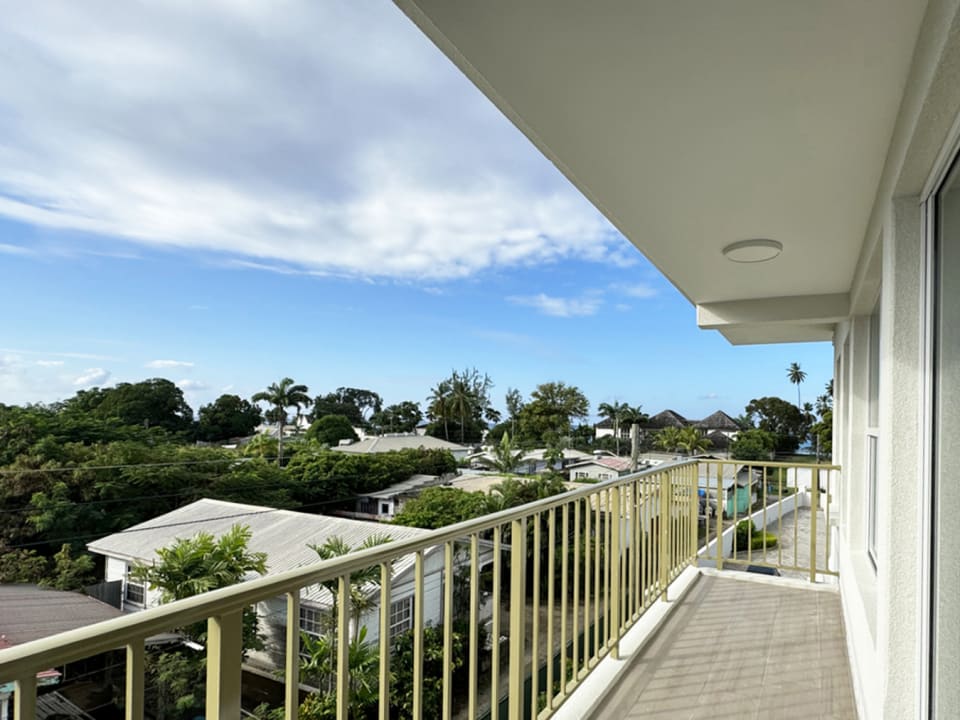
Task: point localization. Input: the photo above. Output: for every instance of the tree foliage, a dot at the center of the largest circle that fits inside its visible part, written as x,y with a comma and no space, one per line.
229,416
460,407
401,417
549,414
331,429
781,418
282,395
437,507
355,404
753,445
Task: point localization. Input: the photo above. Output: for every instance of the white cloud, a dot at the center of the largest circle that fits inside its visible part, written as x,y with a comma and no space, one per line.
191,385
49,363
164,364
710,396
639,290
327,138
92,376
558,306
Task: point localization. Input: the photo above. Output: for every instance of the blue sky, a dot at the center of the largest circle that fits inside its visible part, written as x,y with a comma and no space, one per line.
228,195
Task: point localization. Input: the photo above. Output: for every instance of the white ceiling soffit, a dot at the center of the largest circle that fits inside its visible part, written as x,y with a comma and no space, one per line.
693,124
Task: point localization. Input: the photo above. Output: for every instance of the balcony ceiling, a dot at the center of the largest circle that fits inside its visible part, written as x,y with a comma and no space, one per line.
692,124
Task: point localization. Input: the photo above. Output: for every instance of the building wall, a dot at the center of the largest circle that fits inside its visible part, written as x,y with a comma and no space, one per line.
885,605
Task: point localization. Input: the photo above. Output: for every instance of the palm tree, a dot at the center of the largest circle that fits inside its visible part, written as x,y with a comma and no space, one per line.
462,400
796,376
505,456
615,411
692,441
668,439
438,405
361,581
282,395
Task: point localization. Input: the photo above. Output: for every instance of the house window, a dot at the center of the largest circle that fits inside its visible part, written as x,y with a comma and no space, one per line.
311,620
873,432
384,508
134,592
401,616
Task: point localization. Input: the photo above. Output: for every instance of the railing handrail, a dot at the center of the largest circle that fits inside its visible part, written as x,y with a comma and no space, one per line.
38,655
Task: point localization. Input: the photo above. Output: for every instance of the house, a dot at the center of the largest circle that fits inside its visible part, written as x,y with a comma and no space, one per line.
718,423
384,504
667,418
599,468
285,537
390,443
30,613
739,487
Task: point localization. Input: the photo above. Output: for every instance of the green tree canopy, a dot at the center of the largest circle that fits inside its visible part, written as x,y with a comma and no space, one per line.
331,429
229,416
753,445
437,507
781,418
356,404
402,417
550,413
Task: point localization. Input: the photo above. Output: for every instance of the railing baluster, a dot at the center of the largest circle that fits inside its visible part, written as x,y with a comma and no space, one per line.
597,537
814,505
608,597
720,512
576,600
535,635
613,621
518,616
343,647
291,660
224,656
25,698
565,590
664,544
446,686
417,637
495,640
587,578
383,673
133,692
474,648
551,592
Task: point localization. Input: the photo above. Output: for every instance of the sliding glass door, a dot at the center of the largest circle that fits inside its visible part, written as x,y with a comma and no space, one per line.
945,660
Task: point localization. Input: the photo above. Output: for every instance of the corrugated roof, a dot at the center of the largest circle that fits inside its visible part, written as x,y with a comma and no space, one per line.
31,612
614,463
389,443
414,482
284,535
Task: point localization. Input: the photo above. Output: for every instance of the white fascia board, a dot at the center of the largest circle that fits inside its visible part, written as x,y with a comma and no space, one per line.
797,310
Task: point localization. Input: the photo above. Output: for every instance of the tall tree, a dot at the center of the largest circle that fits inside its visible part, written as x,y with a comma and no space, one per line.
784,419
514,402
615,412
796,376
397,418
552,408
228,416
281,396
356,404
439,405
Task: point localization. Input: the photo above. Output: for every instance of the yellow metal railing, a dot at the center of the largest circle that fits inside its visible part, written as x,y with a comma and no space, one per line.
786,511
567,577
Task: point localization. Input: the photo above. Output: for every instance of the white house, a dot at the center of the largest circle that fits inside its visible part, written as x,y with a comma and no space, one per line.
285,537
792,168
599,468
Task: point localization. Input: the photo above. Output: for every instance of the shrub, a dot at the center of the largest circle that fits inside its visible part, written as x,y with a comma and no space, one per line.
746,535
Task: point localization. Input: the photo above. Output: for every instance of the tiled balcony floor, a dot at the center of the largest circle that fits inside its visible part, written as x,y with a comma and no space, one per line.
741,649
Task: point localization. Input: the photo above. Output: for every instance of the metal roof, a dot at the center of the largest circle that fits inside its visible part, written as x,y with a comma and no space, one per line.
284,535
31,612
389,443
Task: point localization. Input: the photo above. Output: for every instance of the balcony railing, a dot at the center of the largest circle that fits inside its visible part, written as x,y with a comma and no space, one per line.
561,580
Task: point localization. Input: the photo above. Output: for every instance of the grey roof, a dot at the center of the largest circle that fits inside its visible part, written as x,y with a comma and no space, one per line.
31,612
667,418
389,443
55,706
411,484
719,421
284,535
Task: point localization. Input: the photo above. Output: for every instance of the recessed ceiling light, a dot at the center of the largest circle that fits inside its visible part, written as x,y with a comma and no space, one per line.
752,251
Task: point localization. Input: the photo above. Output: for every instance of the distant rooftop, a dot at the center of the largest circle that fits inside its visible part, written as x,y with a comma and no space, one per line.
31,612
389,443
